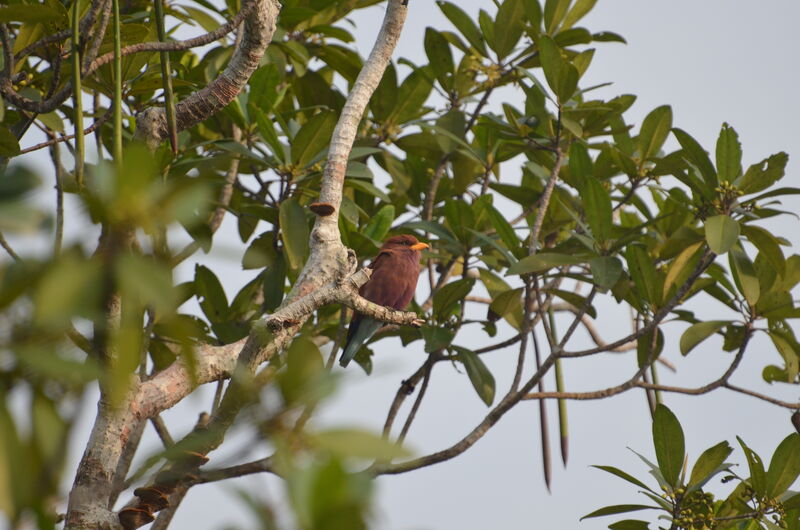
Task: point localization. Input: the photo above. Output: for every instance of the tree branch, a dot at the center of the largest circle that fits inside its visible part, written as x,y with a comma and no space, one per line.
65,137
259,17
702,265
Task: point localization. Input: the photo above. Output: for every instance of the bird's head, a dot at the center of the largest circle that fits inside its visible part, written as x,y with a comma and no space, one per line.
402,242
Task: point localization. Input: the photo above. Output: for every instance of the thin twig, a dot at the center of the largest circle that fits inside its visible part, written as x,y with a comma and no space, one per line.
7,247
702,265
414,408
55,155
263,465
63,138
161,429
405,390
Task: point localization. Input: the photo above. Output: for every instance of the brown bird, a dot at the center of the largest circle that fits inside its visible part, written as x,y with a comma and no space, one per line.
394,279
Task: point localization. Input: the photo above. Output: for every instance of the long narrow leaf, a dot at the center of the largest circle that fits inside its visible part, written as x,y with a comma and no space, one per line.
166,77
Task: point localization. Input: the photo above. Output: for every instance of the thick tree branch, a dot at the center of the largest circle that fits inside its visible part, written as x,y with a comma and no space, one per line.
260,17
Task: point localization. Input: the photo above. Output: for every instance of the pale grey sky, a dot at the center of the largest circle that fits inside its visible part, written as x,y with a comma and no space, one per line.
713,61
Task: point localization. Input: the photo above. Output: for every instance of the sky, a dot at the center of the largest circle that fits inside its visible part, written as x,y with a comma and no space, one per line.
713,61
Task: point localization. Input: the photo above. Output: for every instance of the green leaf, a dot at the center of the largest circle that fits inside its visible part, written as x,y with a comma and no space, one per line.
762,175
503,228
304,380
384,99
722,232
411,96
463,22
644,273
367,187
508,27
148,280
554,12
697,156
542,262
459,217
744,274
480,376
313,138
791,502
578,11
30,13
756,465
508,305
606,271
784,468
711,459
294,232
451,294
486,24
654,131
260,253
788,349
48,428
205,20
274,280
630,524
533,13
618,508
436,338
669,444
210,294
493,283
623,475
561,75
608,36
9,146
597,207
492,242
434,228
71,287
379,225
767,244
357,443
647,351
441,59
729,154
680,267
574,299
580,163
268,134
699,332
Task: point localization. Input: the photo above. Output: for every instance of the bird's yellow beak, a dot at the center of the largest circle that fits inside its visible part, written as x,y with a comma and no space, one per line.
420,246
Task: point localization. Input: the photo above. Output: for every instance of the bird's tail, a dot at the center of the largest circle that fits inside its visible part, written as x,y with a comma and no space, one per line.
364,331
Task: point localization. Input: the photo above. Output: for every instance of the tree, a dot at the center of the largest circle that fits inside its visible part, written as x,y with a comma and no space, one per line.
286,139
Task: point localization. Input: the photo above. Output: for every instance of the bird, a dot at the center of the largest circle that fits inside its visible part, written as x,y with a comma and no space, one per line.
392,284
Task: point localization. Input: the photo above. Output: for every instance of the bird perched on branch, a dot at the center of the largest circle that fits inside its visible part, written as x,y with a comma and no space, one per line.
394,279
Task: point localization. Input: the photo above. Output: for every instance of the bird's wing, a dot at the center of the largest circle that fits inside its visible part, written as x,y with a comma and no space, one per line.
387,283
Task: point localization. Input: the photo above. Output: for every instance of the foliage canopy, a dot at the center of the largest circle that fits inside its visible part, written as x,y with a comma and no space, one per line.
540,211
